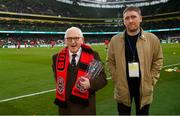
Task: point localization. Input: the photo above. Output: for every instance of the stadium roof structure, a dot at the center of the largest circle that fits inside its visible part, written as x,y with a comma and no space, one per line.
112,3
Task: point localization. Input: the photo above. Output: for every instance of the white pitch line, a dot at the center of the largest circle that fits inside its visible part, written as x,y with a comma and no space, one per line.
47,91
171,65
29,95
23,96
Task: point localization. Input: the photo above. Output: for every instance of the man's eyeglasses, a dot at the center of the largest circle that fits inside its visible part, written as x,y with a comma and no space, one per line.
69,39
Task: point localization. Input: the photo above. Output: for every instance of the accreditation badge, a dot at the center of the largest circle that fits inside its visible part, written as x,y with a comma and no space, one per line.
133,69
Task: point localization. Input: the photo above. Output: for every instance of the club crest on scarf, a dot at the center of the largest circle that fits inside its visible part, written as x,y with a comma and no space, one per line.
60,85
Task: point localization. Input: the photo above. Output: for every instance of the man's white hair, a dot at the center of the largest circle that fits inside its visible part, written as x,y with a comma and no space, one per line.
73,28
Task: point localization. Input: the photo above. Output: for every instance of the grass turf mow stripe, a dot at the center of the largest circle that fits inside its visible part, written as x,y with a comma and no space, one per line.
47,91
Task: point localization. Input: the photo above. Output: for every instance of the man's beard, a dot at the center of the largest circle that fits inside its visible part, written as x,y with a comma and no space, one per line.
133,30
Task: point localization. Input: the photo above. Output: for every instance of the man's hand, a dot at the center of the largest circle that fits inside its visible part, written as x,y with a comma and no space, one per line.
84,82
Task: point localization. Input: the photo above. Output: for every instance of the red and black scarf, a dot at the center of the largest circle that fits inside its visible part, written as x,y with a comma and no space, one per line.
62,62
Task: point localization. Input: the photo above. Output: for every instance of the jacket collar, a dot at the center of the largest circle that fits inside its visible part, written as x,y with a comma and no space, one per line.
142,35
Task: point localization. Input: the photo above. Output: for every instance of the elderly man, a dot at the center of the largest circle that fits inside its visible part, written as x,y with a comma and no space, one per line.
69,66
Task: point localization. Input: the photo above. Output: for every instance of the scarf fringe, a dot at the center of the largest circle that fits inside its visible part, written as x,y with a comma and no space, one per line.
60,103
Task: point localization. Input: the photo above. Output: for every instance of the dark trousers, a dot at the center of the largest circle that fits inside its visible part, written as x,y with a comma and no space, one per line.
134,85
125,110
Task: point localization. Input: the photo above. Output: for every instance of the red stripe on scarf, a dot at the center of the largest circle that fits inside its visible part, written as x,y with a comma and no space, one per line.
62,63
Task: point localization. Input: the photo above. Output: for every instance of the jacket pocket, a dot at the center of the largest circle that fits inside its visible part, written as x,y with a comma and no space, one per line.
148,86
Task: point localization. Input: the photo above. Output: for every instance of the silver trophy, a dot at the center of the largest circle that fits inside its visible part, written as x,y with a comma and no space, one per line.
93,70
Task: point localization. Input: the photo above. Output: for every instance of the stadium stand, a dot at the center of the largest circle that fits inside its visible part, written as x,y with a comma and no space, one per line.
55,16
55,8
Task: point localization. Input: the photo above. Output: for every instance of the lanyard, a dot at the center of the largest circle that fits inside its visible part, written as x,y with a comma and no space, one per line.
132,51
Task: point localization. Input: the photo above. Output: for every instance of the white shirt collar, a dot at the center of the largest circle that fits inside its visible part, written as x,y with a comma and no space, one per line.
78,55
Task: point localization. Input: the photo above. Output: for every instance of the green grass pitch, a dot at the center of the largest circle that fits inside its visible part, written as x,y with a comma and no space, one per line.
28,71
